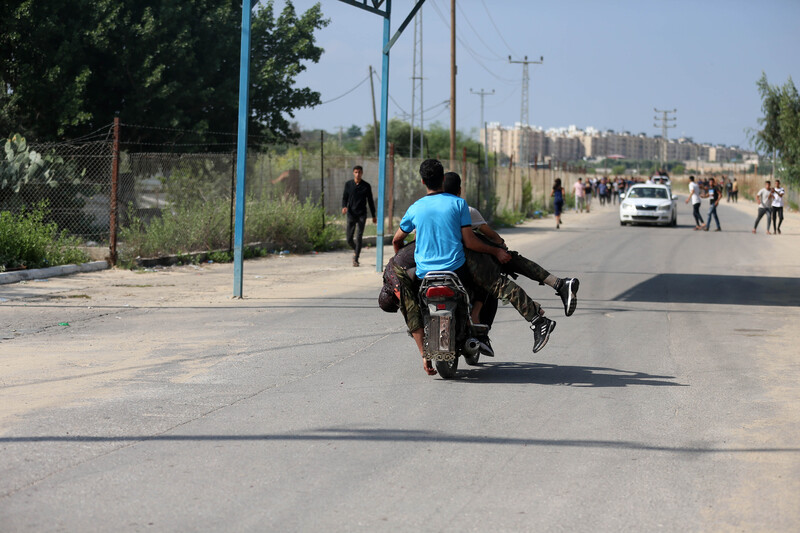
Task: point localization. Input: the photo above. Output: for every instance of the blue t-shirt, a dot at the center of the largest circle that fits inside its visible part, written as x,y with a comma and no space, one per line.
438,219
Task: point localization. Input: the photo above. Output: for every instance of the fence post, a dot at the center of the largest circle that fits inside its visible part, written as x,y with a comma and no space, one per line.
390,191
112,230
232,213
322,174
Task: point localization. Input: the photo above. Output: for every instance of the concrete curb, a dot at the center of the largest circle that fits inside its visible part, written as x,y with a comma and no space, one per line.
40,273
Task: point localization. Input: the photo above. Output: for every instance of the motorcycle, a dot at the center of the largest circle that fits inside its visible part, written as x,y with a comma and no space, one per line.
449,332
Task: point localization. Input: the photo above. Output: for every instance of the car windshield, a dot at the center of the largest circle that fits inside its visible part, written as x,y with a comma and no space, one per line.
648,192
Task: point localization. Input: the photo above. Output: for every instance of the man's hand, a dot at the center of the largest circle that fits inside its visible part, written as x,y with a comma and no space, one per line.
374,220
502,256
344,210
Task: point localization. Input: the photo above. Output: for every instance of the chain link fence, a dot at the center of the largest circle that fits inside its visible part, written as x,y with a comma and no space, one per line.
70,180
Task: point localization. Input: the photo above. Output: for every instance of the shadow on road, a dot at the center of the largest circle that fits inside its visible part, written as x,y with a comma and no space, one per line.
400,435
548,374
715,289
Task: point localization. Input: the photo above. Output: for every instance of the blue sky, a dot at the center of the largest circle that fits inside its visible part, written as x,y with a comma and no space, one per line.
607,64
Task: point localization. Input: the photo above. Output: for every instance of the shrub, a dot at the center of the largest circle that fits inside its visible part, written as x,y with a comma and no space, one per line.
27,241
205,226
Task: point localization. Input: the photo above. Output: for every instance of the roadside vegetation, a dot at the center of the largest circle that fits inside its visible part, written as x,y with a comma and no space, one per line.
282,221
27,240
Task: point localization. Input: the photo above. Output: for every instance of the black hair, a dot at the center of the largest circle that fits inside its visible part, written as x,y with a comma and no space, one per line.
691,178
557,184
452,183
358,167
432,173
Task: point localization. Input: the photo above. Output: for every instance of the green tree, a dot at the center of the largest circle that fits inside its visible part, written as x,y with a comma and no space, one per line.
67,66
780,125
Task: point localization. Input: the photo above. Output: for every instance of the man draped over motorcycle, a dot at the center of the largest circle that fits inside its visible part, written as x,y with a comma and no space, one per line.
441,221
440,214
494,277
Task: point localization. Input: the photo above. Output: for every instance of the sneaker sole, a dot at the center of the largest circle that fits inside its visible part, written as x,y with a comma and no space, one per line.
572,299
546,337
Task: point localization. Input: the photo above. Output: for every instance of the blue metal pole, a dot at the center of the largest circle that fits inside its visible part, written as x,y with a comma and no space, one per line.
383,144
241,150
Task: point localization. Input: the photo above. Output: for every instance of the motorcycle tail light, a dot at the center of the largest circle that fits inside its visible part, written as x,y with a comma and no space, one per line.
439,292
441,307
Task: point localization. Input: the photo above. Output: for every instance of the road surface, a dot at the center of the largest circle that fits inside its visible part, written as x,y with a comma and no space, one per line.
668,401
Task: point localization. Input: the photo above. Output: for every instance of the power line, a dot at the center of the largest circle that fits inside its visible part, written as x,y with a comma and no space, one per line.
345,94
497,30
469,49
478,35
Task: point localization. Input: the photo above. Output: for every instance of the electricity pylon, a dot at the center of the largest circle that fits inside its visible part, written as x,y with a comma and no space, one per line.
524,119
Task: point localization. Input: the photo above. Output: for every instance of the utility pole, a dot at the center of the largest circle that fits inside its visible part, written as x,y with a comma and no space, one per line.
665,125
452,80
524,112
481,93
416,84
374,115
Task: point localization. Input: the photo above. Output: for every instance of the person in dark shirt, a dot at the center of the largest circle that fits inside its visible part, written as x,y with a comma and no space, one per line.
714,194
357,194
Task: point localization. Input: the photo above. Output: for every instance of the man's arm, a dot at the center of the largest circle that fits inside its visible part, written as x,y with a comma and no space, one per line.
491,234
371,203
345,197
474,243
397,240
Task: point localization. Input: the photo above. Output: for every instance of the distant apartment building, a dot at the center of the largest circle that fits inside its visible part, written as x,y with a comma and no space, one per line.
572,144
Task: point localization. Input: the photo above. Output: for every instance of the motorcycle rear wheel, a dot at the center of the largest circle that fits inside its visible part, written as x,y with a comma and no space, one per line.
447,370
472,360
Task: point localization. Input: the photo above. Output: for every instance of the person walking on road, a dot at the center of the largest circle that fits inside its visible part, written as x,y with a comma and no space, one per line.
777,207
558,200
714,195
580,195
694,196
764,197
735,191
357,195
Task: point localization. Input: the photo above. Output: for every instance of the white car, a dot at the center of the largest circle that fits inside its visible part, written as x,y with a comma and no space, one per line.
663,180
649,204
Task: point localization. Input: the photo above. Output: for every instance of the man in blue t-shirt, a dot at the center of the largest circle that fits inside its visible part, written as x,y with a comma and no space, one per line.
442,222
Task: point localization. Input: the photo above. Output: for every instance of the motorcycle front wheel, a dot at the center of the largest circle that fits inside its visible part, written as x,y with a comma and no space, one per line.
447,369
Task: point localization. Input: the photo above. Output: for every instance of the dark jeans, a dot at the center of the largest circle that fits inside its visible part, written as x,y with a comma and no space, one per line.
712,212
698,219
761,212
352,224
777,213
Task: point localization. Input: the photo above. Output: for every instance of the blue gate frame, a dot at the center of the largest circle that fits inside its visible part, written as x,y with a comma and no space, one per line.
244,113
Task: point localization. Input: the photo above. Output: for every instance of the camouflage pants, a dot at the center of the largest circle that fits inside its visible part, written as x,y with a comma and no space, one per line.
487,273
526,267
409,303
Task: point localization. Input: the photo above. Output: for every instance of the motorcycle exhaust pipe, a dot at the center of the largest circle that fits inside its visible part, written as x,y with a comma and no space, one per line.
472,346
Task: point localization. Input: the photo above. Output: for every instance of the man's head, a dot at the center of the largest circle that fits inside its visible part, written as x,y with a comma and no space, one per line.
580,179
691,178
767,184
388,301
711,181
777,183
452,183
358,173
432,173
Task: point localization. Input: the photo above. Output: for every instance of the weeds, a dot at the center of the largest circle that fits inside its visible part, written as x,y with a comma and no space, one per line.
205,226
27,241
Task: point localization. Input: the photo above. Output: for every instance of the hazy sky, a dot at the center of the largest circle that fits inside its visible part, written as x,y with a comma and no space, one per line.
607,64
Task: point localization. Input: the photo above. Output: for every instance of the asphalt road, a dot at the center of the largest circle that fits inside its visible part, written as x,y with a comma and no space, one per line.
668,401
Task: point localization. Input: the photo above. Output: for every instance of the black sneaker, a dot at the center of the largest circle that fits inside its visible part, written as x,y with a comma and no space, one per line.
542,328
567,291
